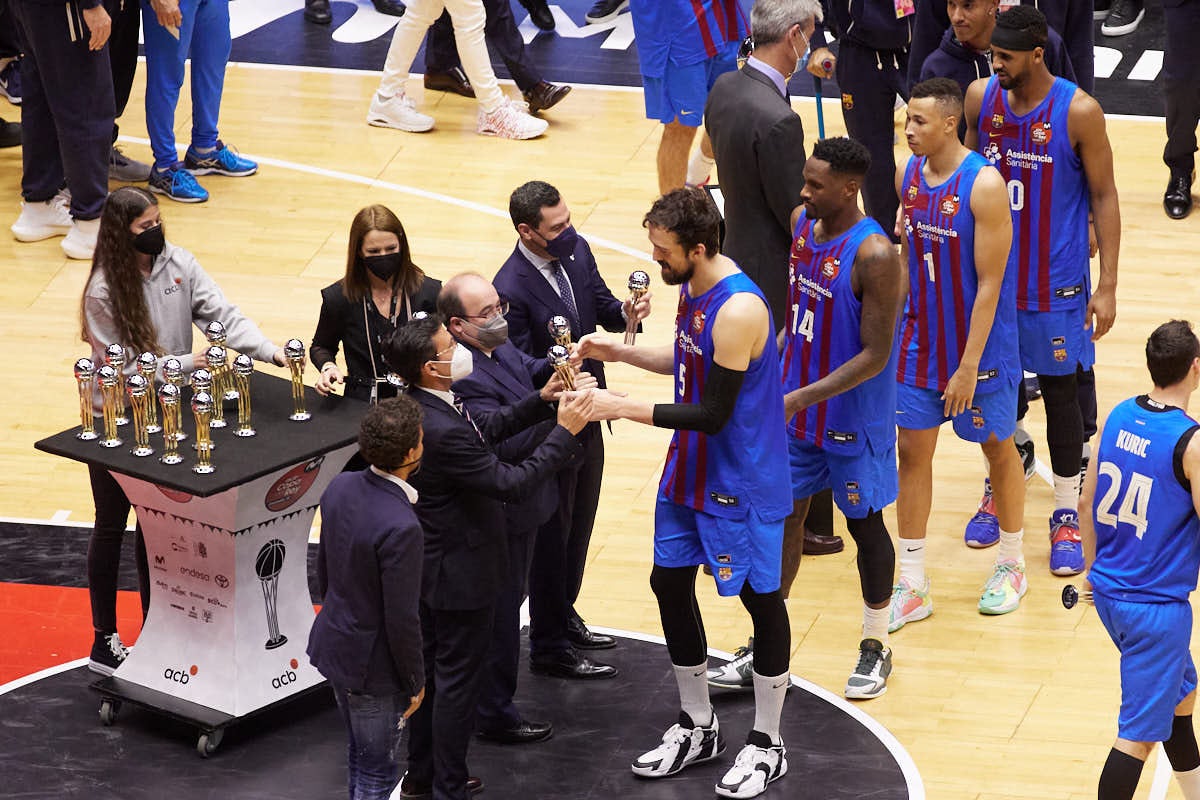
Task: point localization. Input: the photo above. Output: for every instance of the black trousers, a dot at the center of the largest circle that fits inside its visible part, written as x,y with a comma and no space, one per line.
123,53
1181,83
500,32
496,708
104,551
11,45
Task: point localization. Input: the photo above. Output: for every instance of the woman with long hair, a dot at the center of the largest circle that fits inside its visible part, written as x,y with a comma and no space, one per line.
146,295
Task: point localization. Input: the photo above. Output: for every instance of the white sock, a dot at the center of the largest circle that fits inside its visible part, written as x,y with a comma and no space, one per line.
768,702
693,693
1087,450
1010,547
699,167
875,623
1021,436
1189,783
1066,491
912,561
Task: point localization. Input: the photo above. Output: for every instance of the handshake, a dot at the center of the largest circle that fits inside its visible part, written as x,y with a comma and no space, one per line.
579,396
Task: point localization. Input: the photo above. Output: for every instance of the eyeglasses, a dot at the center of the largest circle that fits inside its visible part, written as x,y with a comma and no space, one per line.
491,312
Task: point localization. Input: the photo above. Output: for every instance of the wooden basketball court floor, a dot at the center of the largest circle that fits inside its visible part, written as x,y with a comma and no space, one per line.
1021,706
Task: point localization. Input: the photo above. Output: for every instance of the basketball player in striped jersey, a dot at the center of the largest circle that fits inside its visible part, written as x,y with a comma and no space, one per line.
1047,137
958,359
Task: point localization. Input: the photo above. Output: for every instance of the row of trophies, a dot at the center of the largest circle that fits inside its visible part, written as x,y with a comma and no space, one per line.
559,354
211,386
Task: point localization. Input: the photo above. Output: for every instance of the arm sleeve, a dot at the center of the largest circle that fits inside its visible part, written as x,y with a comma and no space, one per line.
400,554
325,339
209,304
714,409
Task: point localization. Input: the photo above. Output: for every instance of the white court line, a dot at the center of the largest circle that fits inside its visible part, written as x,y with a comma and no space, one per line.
1162,776
37,676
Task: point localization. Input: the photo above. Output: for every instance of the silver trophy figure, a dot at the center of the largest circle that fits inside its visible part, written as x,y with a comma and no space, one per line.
202,403
109,391
215,333
141,398
293,350
560,360
114,356
173,374
168,398
202,382
243,367
85,372
218,367
560,330
639,284
147,366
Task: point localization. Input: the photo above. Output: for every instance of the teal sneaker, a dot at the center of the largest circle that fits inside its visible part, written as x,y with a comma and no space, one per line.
222,161
178,184
1003,592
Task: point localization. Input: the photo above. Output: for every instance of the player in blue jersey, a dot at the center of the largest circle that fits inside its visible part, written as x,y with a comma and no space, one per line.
724,491
1138,515
838,358
958,359
1047,138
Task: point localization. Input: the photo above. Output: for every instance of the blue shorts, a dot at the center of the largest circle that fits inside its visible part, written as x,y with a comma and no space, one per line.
1054,342
861,484
679,95
919,409
1157,671
737,550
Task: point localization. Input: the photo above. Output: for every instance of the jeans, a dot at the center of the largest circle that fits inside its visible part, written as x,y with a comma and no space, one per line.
374,739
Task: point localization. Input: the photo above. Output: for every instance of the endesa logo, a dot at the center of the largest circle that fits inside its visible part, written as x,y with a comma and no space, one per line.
288,676
180,676
292,485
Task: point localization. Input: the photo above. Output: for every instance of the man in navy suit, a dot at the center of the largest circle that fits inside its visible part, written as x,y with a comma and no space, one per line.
367,638
463,487
552,272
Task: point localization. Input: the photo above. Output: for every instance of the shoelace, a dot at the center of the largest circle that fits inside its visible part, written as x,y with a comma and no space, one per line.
867,659
1000,575
676,734
748,756
115,647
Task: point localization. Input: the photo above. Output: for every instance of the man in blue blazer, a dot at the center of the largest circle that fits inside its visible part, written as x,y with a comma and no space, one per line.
463,487
367,638
552,272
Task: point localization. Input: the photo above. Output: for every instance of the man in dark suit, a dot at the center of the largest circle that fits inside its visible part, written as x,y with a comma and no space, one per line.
367,638
552,272
463,487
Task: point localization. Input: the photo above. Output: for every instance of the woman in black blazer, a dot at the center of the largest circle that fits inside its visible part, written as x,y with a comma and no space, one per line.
382,288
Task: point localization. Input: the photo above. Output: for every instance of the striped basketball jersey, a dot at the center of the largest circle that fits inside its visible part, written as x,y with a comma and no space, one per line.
746,463
1147,531
1048,194
683,32
942,284
823,332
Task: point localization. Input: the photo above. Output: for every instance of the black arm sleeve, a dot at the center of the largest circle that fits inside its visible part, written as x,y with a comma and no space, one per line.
714,409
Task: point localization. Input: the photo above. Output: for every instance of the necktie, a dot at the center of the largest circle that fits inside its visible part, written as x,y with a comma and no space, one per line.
564,291
462,409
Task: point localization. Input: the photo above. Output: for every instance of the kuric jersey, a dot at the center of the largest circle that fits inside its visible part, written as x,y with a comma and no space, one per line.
746,463
823,332
1048,194
1147,532
942,284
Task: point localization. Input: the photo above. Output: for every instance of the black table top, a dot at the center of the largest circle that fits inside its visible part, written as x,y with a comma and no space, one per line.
279,443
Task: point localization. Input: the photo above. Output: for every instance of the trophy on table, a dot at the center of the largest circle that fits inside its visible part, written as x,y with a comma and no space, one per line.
218,367
114,356
85,372
293,351
560,360
215,333
202,382
168,398
639,284
243,367
202,403
141,399
173,374
147,366
560,330
110,392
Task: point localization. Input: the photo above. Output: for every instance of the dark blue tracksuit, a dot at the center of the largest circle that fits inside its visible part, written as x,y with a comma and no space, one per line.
502,36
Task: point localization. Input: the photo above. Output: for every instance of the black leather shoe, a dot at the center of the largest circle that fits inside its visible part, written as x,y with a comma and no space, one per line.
545,95
539,12
1177,201
453,80
817,545
524,732
393,8
419,790
583,639
317,12
10,134
572,665
605,10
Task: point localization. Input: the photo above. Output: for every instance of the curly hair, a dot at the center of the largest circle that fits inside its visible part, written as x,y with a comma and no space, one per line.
844,155
389,432
690,214
355,284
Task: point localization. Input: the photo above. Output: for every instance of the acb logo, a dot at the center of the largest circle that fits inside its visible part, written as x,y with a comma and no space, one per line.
288,676
180,676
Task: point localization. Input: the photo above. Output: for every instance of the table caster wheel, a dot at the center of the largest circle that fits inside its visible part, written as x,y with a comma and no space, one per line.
209,741
108,711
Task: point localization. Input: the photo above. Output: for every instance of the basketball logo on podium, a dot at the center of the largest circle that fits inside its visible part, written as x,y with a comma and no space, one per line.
268,564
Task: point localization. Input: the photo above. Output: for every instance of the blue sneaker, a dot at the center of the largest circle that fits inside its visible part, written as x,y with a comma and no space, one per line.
222,161
983,529
10,81
1066,546
178,184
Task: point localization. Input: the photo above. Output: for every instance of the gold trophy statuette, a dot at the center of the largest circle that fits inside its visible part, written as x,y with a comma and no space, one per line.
168,398
202,382
85,372
243,367
560,359
639,284
293,350
218,367
141,398
173,374
114,356
110,392
215,333
147,366
202,403
560,330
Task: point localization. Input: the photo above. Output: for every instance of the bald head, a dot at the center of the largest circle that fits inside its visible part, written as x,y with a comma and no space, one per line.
467,302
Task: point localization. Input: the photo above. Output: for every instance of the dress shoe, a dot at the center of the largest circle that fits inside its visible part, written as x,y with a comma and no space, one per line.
605,10
572,665
817,545
393,8
539,13
583,639
423,790
453,80
317,12
524,732
1177,201
10,133
545,95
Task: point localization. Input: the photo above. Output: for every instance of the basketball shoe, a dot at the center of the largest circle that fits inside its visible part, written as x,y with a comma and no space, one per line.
983,529
683,744
1003,591
759,763
870,675
1066,546
738,673
910,603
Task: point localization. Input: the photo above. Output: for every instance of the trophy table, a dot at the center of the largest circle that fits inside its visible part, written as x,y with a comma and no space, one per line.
230,609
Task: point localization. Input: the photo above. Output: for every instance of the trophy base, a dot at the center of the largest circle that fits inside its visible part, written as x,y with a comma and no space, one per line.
217,423
87,436
111,443
154,429
122,421
204,469
274,643
300,416
173,458
142,452
180,436
230,395
245,432
211,446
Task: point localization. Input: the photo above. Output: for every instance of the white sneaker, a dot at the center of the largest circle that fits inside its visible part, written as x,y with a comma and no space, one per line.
910,603
870,675
759,763
509,122
398,112
80,242
43,220
683,744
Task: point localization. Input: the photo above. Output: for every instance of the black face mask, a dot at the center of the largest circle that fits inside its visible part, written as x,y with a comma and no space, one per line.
150,241
384,266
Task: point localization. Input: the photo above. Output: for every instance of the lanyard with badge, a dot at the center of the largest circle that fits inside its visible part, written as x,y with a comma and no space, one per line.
391,378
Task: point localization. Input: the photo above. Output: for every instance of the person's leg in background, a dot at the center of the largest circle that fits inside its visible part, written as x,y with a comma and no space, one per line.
123,58
1181,88
103,563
